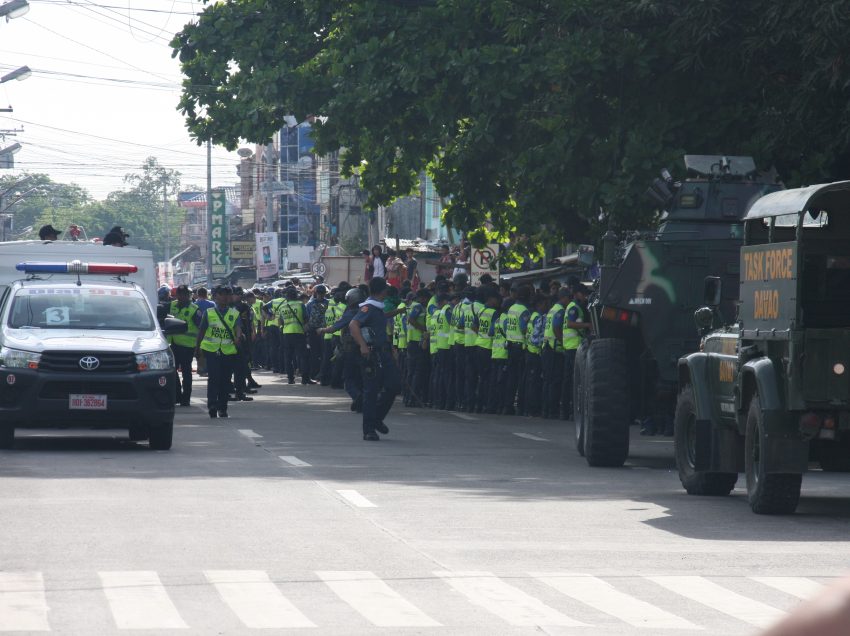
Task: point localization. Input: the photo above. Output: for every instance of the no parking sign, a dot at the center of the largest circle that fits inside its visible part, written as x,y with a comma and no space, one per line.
484,262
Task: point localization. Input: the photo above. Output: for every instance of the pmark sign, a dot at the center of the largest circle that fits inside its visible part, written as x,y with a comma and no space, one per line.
484,262
218,232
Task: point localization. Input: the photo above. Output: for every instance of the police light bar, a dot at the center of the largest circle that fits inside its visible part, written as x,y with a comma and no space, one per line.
77,267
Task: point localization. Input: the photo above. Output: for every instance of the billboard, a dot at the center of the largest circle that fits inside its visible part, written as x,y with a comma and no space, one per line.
268,263
242,250
218,232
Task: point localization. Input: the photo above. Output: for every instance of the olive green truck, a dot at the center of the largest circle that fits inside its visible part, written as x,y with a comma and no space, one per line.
769,392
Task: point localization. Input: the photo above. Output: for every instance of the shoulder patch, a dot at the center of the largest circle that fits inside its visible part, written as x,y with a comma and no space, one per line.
365,309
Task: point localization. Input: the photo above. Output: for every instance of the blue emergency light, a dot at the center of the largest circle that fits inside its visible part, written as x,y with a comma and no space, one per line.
76,267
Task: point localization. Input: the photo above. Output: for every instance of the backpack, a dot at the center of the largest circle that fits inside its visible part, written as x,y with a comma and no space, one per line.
317,314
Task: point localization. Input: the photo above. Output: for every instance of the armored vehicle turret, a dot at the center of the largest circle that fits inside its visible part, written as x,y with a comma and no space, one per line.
647,292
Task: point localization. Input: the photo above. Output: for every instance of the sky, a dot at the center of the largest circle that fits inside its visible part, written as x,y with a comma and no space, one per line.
103,93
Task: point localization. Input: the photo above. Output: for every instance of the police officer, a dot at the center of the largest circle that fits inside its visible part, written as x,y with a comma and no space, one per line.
533,349
517,322
575,327
552,356
273,331
218,334
499,360
485,324
183,345
293,317
417,356
380,376
352,381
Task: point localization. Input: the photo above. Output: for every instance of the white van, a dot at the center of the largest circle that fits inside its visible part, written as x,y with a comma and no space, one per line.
80,345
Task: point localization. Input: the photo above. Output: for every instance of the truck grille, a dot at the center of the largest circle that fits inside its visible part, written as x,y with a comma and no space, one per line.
69,361
112,390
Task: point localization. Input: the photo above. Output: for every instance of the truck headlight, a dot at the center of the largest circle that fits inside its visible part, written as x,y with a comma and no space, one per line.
16,359
156,361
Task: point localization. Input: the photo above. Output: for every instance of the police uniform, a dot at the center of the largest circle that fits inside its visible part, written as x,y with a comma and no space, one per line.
572,340
531,373
445,384
486,325
293,317
499,365
417,360
273,331
552,361
471,309
517,322
352,380
183,347
458,345
381,381
219,347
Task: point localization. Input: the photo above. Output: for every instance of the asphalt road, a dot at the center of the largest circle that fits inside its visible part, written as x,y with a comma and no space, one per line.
282,519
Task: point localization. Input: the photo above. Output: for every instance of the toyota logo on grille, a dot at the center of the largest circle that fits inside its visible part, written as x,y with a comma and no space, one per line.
89,363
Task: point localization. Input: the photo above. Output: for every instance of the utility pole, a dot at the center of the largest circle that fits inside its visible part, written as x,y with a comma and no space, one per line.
209,214
165,216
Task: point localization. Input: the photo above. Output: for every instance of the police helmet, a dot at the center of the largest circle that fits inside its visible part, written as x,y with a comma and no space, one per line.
290,293
353,297
163,293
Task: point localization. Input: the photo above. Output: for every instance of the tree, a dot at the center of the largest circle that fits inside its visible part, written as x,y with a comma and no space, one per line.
33,197
532,116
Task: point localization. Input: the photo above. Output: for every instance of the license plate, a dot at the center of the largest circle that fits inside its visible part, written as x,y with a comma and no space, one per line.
87,402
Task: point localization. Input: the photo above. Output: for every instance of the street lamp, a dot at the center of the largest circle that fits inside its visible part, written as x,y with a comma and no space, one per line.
14,9
6,161
18,74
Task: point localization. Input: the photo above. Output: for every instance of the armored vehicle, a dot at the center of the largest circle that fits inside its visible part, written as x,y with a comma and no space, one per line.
645,299
771,392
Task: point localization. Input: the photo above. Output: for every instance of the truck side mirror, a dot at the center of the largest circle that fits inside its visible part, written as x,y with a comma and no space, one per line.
704,319
711,291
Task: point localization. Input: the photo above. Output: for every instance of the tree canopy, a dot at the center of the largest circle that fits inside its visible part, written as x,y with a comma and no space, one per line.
532,116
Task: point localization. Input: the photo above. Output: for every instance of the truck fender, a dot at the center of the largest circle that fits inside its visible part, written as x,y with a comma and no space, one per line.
783,449
693,371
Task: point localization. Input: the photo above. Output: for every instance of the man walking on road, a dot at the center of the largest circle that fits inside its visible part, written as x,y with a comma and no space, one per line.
380,376
218,336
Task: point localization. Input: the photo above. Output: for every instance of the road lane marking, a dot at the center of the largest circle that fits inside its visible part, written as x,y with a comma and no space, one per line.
531,437
23,606
356,498
505,601
798,586
294,461
376,601
247,432
256,600
604,597
464,416
719,598
138,600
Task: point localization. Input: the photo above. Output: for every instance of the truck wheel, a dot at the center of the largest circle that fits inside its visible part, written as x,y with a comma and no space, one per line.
7,436
606,403
768,493
579,395
161,436
695,482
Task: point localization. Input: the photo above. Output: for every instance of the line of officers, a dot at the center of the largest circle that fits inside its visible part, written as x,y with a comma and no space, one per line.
495,348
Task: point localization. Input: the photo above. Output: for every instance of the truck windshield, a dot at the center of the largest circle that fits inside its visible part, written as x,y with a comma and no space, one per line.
80,308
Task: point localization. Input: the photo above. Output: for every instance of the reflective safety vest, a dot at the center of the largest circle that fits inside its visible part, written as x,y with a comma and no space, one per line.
291,315
471,311
500,341
530,344
400,328
433,334
485,320
276,303
549,336
413,333
572,337
331,316
458,323
257,313
444,328
513,332
217,337
186,314
431,311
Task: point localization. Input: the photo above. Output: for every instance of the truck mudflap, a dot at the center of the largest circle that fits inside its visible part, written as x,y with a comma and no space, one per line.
783,448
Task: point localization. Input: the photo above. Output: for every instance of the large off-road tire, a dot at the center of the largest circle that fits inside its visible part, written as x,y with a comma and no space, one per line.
768,494
161,436
695,482
7,436
606,403
578,395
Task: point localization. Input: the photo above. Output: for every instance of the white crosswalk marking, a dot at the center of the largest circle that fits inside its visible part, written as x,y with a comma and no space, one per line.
23,606
292,460
138,600
604,597
798,586
356,498
506,601
376,601
719,598
257,601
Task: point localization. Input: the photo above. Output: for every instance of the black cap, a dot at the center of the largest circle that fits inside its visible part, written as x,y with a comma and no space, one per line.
46,230
183,288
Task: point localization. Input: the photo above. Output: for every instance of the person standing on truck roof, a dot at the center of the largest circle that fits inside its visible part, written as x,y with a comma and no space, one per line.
116,237
183,345
218,336
48,233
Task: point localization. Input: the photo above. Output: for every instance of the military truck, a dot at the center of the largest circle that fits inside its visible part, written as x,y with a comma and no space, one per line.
646,295
771,392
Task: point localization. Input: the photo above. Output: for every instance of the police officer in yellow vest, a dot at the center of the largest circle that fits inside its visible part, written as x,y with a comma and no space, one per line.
485,326
183,345
293,318
517,324
533,349
552,356
217,337
499,360
417,356
575,328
